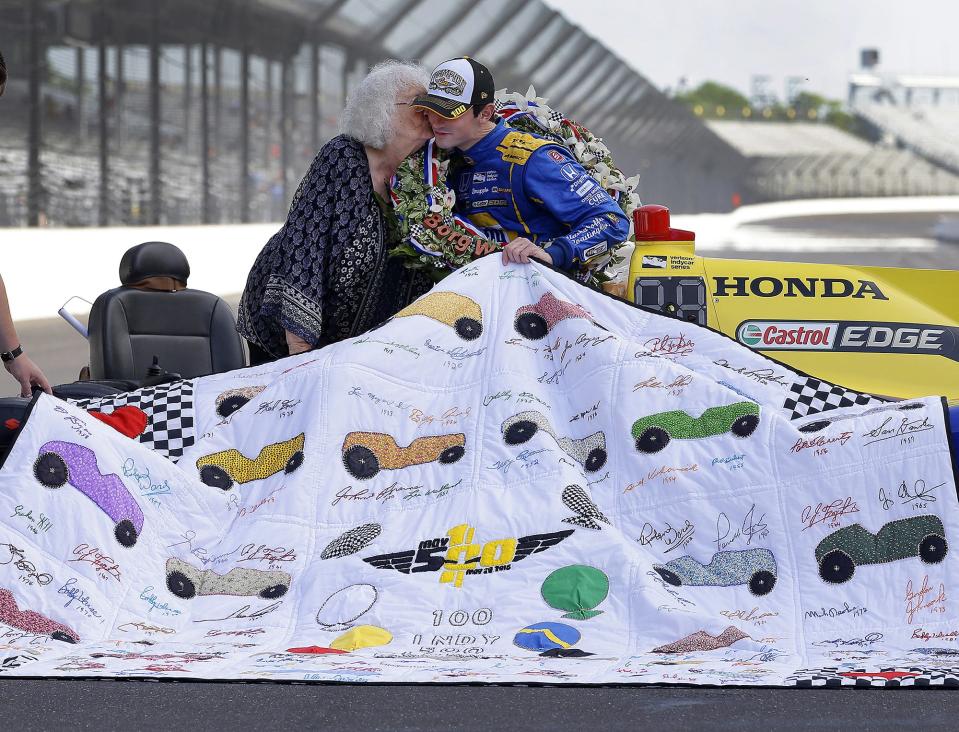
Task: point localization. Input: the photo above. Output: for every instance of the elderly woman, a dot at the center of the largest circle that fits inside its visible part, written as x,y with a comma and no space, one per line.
326,275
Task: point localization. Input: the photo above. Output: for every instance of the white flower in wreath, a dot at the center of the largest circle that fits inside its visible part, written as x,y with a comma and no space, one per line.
525,102
542,115
532,98
597,146
506,96
601,173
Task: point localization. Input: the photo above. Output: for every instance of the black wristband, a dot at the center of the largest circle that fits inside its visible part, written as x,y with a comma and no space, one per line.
6,356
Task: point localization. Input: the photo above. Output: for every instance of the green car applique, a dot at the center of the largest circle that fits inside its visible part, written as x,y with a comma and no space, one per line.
842,551
654,432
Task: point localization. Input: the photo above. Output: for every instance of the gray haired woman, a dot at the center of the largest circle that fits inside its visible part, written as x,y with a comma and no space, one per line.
326,275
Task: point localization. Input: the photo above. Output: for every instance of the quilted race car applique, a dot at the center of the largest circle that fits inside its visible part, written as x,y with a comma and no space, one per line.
590,452
459,312
33,622
842,551
186,581
232,399
536,321
821,424
654,432
223,469
59,463
367,453
755,568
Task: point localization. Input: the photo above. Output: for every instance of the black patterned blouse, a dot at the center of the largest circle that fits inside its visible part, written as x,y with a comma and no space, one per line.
326,274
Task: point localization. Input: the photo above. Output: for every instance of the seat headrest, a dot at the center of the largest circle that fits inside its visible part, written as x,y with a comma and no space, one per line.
153,259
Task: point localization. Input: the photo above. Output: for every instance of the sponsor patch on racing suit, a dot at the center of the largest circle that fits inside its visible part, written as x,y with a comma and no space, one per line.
518,184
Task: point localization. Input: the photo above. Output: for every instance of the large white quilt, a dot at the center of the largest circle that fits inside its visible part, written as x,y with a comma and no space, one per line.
516,479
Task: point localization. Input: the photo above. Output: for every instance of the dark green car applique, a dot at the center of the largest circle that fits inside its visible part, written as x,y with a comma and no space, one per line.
842,551
654,432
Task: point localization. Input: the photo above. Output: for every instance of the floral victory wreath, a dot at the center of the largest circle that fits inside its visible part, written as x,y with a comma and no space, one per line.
437,240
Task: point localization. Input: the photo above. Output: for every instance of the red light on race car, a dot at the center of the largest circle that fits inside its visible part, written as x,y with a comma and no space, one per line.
651,223
11,424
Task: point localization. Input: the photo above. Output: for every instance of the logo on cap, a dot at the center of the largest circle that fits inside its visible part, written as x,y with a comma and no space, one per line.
448,81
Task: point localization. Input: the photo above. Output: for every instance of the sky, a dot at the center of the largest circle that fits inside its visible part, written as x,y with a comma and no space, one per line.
731,40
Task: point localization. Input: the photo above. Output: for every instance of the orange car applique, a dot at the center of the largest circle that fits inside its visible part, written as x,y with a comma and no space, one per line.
457,311
367,453
223,469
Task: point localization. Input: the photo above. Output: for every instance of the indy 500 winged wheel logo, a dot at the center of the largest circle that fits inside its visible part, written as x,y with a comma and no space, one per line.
457,556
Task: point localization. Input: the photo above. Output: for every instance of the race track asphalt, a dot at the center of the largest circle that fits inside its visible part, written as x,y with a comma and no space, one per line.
142,705
27,704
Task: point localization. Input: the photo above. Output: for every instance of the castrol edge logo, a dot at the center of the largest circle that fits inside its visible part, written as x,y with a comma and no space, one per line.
787,335
851,336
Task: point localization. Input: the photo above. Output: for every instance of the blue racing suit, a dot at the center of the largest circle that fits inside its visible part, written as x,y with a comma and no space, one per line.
532,187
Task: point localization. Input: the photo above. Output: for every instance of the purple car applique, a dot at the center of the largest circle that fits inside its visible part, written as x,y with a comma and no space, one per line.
60,463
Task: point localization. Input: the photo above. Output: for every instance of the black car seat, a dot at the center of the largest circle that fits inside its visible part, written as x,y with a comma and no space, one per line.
154,317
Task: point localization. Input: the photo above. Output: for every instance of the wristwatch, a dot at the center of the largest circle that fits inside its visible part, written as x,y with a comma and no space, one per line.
6,356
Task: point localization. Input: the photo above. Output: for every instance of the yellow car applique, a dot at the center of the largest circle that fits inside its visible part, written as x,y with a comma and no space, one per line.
457,311
366,453
222,469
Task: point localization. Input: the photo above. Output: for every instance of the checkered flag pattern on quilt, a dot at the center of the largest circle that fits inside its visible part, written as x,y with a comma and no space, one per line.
169,409
813,396
587,513
831,676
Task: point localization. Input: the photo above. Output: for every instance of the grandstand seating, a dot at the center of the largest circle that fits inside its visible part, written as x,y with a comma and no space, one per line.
813,160
70,173
765,139
931,131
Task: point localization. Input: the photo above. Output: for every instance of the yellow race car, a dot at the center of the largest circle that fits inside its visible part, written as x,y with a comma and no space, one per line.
878,330
223,469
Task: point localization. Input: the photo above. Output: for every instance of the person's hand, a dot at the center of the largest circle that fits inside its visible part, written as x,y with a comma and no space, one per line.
295,344
521,250
28,374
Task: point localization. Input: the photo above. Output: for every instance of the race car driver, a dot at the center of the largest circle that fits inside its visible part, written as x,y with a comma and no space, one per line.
529,187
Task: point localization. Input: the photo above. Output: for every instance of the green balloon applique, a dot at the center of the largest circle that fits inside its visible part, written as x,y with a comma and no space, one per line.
577,589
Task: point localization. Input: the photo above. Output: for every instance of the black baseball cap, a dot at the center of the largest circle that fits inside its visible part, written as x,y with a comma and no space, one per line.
455,86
